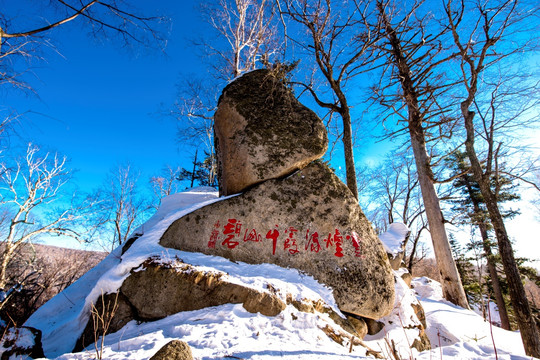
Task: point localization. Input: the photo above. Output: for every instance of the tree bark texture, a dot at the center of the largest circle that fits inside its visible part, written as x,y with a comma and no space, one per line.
522,310
497,292
349,156
451,282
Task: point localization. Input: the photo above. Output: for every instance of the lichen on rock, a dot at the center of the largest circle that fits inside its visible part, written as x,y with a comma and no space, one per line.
308,221
263,132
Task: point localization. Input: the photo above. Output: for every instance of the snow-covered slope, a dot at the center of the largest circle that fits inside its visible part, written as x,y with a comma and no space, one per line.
229,331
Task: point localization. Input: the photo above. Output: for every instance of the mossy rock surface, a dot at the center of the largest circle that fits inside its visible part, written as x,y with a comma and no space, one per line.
263,132
309,221
174,350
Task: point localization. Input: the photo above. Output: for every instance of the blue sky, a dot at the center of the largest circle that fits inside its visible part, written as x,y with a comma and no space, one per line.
100,105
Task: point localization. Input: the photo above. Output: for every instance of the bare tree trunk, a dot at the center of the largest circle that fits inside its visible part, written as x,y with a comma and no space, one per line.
497,292
348,148
525,319
494,20
505,322
194,169
451,283
7,256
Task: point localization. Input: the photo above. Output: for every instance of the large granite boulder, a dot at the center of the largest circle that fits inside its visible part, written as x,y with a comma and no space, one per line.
309,221
162,287
158,289
262,132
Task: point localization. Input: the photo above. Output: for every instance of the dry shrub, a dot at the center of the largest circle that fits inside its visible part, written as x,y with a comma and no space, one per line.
43,271
426,267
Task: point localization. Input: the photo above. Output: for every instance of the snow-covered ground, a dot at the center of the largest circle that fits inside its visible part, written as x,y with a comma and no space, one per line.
230,332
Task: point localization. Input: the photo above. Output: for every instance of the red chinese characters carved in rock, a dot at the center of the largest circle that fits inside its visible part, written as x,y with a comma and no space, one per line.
312,241
214,236
337,241
231,229
252,236
273,235
356,243
290,242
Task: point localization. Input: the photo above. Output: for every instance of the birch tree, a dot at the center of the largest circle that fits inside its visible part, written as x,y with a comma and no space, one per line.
243,34
164,184
121,209
31,204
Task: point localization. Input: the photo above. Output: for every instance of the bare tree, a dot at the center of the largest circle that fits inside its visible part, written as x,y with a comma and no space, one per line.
244,34
470,209
29,188
394,187
480,47
121,208
104,19
410,90
337,40
164,184
194,112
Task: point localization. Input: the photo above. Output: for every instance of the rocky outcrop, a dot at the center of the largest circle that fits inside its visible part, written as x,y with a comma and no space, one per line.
162,290
157,290
21,343
174,350
263,132
308,221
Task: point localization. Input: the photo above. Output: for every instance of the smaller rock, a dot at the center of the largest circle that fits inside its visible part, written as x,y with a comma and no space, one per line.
407,277
421,343
174,350
159,290
373,326
263,303
359,325
395,260
407,314
394,240
20,343
420,314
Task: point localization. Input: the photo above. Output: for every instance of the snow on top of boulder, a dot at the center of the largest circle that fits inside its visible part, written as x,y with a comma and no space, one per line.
172,203
60,332
394,238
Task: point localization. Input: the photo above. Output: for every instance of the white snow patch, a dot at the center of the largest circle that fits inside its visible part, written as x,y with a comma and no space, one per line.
461,333
394,238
